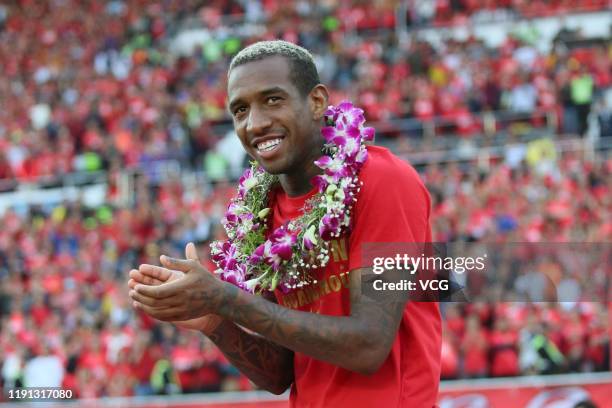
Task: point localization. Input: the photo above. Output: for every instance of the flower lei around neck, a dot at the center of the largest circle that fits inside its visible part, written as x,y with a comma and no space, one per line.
254,260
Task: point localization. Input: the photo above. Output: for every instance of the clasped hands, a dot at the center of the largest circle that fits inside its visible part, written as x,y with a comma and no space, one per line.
180,291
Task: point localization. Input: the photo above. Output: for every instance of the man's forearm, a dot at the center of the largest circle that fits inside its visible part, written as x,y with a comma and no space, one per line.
347,341
268,365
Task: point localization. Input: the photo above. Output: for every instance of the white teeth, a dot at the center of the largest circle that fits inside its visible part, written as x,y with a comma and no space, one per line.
268,145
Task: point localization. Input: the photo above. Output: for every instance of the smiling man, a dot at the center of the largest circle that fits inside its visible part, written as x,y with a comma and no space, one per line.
269,99
333,346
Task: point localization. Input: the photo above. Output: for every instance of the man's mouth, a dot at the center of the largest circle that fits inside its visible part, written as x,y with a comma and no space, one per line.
268,145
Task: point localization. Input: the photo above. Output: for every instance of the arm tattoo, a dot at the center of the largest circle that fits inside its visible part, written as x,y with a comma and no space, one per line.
267,364
359,341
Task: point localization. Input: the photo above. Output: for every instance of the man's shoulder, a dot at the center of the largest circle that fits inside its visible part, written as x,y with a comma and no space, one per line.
383,169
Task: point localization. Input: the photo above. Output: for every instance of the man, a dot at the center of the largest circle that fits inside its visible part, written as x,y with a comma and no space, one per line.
332,345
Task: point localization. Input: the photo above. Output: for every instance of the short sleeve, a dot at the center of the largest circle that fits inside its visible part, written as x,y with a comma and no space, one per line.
393,206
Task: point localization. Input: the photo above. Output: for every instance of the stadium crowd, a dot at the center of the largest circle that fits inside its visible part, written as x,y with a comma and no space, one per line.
511,324
65,309
456,12
103,85
96,85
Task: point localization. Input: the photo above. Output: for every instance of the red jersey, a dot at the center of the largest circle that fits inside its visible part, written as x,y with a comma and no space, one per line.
393,206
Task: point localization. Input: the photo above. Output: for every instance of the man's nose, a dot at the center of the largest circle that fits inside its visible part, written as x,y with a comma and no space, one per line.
258,121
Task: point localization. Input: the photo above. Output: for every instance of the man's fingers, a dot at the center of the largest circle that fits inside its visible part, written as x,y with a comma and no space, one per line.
156,303
166,314
143,278
183,265
161,291
156,272
191,252
143,299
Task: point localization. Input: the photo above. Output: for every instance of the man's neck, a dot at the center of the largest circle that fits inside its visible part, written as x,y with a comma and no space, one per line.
297,183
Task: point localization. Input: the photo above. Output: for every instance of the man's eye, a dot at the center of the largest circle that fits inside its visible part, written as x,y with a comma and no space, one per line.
274,99
239,110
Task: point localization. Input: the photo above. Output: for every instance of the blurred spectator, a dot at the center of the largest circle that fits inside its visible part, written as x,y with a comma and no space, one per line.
539,355
216,166
504,350
475,348
523,97
12,367
604,117
43,370
581,90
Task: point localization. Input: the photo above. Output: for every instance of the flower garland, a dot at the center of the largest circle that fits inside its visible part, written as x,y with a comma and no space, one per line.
253,262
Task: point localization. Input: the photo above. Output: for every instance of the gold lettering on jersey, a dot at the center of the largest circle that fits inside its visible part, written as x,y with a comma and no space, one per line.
344,278
339,250
335,283
289,300
301,298
312,293
324,287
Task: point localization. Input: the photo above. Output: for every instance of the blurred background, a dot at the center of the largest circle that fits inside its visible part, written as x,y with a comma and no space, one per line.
116,147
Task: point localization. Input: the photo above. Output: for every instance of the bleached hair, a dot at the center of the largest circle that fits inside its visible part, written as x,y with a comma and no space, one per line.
303,72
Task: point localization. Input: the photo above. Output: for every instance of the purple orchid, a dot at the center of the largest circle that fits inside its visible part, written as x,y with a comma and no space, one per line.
350,146
368,134
324,162
351,117
331,133
282,243
245,225
264,253
235,276
333,168
231,215
348,198
248,180
272,259
328,226
320,182
258,254
225,255
361,156
231,260
331,115
217,250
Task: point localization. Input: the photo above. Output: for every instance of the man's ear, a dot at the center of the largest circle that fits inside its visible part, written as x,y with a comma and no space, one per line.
318,100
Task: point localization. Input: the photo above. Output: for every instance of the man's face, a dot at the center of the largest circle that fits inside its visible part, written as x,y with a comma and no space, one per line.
274,122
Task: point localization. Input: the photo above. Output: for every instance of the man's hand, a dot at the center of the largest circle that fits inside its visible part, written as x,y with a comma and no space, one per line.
267,364
151,275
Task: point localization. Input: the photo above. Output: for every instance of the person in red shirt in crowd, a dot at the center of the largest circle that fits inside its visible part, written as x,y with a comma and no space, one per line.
454,321
574,331
339,349
475,347
6,173
504,349
93,359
